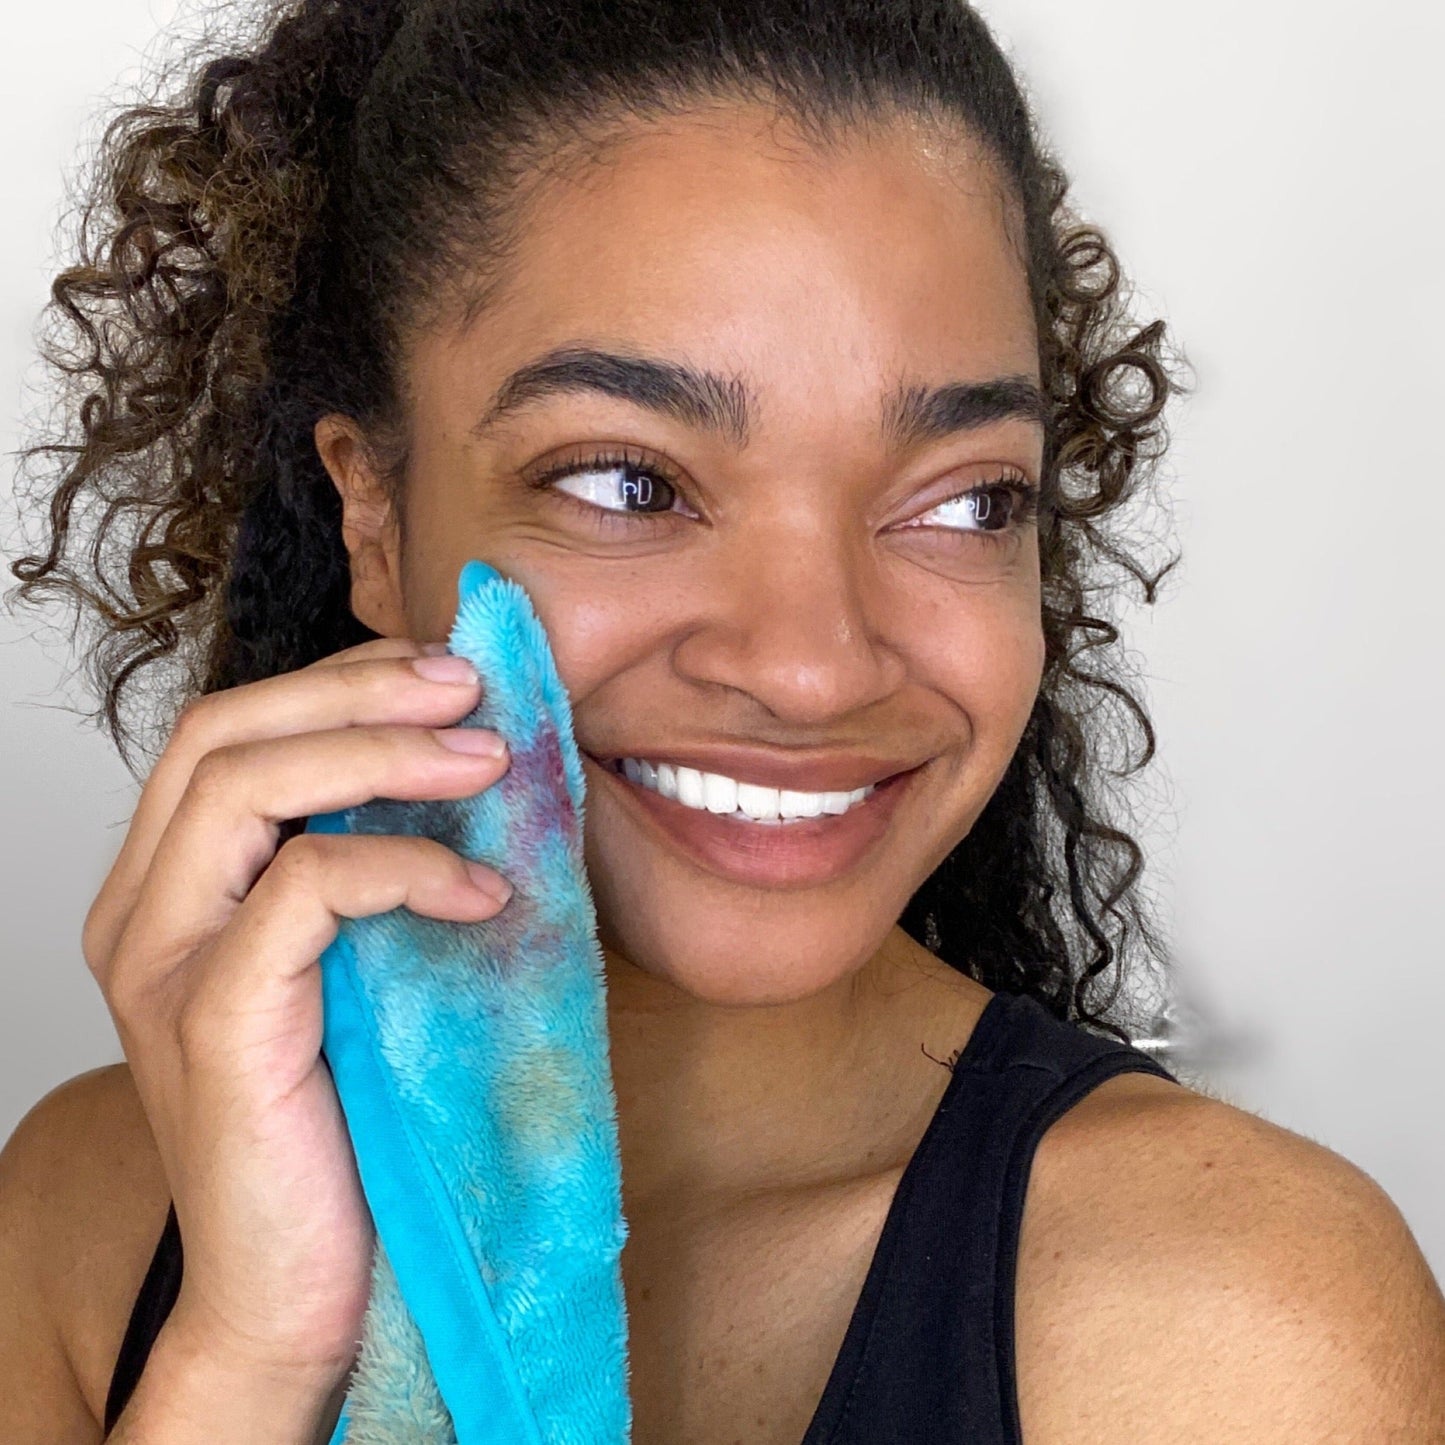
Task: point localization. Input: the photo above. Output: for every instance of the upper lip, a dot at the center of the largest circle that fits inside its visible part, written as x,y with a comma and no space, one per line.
820,773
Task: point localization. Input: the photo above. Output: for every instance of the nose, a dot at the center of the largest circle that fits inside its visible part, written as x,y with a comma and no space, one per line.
798,621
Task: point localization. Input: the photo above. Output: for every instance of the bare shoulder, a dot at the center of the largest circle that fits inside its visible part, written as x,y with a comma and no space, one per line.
1190,1272
83,1198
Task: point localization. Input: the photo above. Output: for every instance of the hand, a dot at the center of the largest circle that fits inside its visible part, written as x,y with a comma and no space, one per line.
205,940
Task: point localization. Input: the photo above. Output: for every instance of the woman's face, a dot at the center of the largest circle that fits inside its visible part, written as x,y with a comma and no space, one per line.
752,538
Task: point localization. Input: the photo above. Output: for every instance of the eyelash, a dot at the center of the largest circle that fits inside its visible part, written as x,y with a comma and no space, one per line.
1025,495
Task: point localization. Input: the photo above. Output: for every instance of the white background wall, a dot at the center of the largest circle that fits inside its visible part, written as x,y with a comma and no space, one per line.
1270,174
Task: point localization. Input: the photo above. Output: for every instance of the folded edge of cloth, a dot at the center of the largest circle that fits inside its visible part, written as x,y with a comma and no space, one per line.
473,1069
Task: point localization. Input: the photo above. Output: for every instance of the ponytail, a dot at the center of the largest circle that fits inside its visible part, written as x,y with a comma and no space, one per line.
287,590
190,246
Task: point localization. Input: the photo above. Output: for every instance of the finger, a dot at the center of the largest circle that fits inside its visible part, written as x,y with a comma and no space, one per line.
264,962
375,647
223,830
379,686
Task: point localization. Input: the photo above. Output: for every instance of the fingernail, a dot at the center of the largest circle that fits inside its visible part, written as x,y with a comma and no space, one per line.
471,740
444,669
490,883
434,649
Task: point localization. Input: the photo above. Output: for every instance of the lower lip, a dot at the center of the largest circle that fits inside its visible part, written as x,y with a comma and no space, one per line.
791,855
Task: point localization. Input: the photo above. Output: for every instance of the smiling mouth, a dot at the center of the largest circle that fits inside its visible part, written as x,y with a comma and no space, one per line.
766,770
784,853
745,802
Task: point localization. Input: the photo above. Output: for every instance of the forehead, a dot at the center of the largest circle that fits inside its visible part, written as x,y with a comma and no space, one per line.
724,237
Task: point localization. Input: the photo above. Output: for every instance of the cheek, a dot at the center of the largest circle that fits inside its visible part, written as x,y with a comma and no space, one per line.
600,622
987,657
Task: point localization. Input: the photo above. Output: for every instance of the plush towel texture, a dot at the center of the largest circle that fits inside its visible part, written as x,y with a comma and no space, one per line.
471,1060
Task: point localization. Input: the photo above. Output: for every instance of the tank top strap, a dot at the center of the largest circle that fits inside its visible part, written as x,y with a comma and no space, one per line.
153,1305
929,1353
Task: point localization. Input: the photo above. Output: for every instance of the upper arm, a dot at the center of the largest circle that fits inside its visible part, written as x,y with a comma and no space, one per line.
82,1199
41,1401
1221,1278
1328,1323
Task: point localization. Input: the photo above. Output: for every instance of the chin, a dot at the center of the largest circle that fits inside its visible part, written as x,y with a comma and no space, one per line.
729,942
736,960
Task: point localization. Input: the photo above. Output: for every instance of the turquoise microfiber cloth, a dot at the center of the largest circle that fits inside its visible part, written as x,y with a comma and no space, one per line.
472,1065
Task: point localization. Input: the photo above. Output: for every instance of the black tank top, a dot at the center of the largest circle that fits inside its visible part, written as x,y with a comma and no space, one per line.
928,1356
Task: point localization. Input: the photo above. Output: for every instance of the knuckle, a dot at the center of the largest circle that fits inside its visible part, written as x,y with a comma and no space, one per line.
300,861
193,722
214,774
120,993
353,674
130,993
95,937
397,745
198,1026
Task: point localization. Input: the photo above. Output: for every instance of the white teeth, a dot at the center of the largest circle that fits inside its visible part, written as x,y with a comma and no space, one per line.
689,788
800,805
714,793
719,794
758,803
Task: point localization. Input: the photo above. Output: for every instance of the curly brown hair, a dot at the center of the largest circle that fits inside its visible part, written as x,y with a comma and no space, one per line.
251,249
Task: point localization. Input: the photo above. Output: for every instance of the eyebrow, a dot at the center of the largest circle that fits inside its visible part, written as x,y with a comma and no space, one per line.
916,414
707,400
701,399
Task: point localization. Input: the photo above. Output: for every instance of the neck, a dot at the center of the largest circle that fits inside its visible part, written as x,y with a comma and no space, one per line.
718,1101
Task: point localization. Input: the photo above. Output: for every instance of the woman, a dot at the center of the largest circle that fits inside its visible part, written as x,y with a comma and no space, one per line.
759,343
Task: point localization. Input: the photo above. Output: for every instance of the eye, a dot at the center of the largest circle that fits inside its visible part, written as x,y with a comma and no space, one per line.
617,488
994,511
627,488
